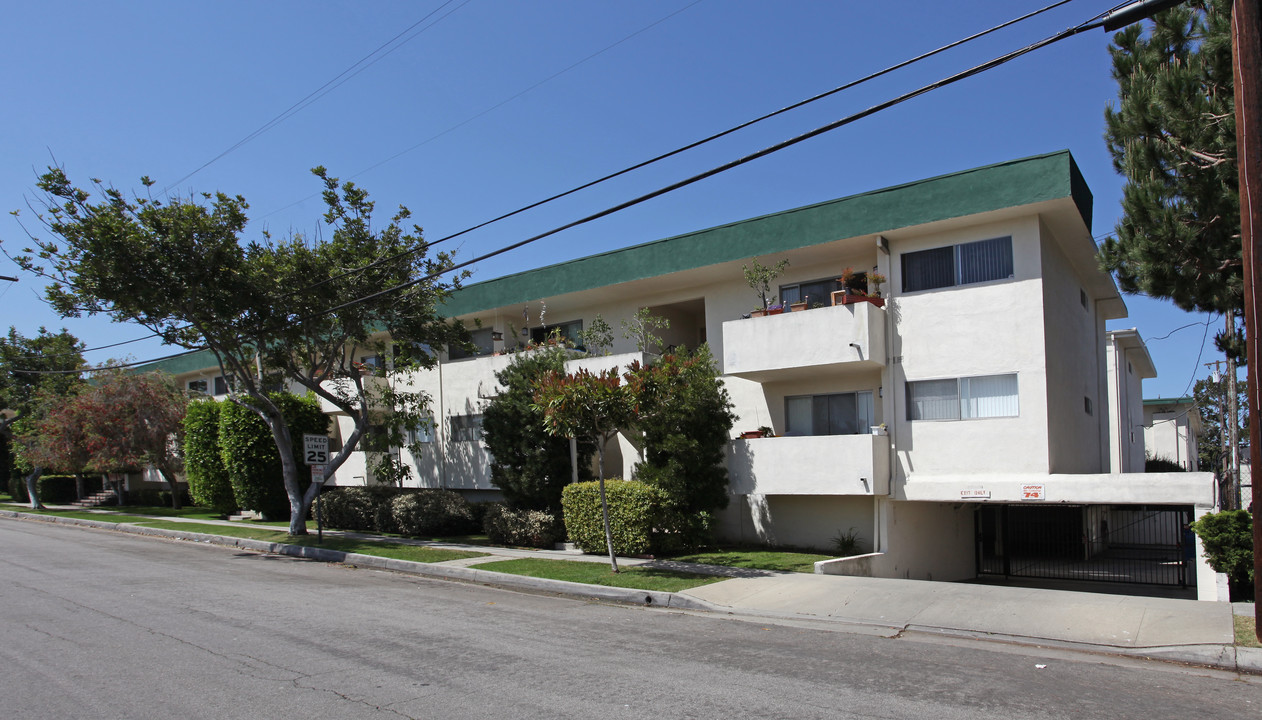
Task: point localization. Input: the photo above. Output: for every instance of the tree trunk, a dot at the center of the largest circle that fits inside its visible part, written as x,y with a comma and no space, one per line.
32,491
175,489
604,505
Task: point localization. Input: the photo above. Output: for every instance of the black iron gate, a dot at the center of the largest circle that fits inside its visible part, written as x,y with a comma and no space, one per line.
1142,544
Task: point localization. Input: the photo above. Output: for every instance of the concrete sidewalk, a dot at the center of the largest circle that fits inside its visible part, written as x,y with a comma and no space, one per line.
1187,631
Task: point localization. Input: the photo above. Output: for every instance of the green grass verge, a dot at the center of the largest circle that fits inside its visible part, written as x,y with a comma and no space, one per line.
1246,635
85,515
414,553
191,512
802,562
636,577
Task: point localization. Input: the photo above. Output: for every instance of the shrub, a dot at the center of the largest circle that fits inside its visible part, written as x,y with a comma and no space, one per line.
1162,465
17,487
431,513
1228,540
57,489
208,482
250,457
633,509
164,498
151,497
6,462
354,508
527,528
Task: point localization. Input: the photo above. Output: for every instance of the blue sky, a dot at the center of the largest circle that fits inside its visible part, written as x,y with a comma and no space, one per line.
497,103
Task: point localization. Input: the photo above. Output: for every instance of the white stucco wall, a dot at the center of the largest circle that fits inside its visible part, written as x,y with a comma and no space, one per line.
983,329
805,521
1077,440
817,465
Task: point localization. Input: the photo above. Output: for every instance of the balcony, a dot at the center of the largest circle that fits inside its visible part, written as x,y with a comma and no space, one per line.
814,465
802,343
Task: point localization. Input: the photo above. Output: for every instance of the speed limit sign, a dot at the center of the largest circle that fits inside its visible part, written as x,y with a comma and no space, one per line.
315,448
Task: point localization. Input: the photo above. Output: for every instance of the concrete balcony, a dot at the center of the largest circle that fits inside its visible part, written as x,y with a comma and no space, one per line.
800,344
374,385
597,364
815,465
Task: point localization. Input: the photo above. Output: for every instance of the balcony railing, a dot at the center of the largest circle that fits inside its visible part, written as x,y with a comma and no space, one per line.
779,346
815,465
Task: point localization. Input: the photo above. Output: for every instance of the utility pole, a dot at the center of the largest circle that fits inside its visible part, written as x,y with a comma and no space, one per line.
1246,54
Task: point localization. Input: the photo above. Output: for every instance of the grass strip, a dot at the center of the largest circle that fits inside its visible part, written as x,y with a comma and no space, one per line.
1246,635
85,515
589,573
801,562
397,551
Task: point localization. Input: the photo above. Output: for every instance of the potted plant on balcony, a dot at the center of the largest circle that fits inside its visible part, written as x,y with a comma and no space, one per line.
799,305
759,278
855,288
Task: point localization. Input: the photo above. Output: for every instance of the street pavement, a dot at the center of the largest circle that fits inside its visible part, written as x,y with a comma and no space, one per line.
1187,631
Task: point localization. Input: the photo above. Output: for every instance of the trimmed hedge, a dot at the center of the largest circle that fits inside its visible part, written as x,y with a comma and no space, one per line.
526,528
633,507
355,508
208,481
250,457
17,487
56,489
432,513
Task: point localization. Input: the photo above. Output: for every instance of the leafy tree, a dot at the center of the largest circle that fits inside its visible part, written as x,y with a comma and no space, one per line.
1172,135
685,414
642,328
208,482
30,368
528,465
119,422
587,405
759,278
597,337
1211,403
179,269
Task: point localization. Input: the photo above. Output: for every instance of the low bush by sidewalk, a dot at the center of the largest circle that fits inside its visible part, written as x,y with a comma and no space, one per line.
525,528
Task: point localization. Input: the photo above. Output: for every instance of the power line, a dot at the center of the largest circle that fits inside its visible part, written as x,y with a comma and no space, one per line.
672,153
1093,23
327,87
975,70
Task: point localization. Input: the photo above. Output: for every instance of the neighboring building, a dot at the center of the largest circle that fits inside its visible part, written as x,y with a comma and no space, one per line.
1128,365
1171,429
957,423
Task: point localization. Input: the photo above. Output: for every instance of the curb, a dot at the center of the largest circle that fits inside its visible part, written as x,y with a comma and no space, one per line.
539,586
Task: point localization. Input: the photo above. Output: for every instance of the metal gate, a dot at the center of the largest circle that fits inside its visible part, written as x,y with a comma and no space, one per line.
1140,544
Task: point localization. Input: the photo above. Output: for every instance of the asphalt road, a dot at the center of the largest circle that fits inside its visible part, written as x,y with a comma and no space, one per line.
104,625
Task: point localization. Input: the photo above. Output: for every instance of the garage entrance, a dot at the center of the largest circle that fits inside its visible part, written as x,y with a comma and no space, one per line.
1139,544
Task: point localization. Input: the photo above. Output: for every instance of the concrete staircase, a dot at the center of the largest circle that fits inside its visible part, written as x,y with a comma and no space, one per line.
109,497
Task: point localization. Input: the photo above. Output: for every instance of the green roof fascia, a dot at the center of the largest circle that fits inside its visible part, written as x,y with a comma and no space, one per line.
188,362
984,189
1170,401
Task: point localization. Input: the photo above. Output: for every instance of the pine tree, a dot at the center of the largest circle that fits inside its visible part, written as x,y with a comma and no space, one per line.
1172,135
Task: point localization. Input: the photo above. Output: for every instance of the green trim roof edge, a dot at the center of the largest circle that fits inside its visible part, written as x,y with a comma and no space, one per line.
992,187
1170,401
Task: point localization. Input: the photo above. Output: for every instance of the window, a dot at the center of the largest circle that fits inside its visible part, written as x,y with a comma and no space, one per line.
816,293
422,434
1086,404
568,330
465,428
970,398
483,343
221,385
197,386
836,414
953,265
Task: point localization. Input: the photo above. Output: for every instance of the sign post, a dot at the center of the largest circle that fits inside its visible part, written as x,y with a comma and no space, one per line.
315,450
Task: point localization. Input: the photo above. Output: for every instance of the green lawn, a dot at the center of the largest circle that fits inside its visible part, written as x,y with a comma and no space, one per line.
192,512
638,578
85,515
1245,633
758,559
396,551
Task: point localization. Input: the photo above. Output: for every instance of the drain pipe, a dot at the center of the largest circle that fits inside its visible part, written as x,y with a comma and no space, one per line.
887,377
